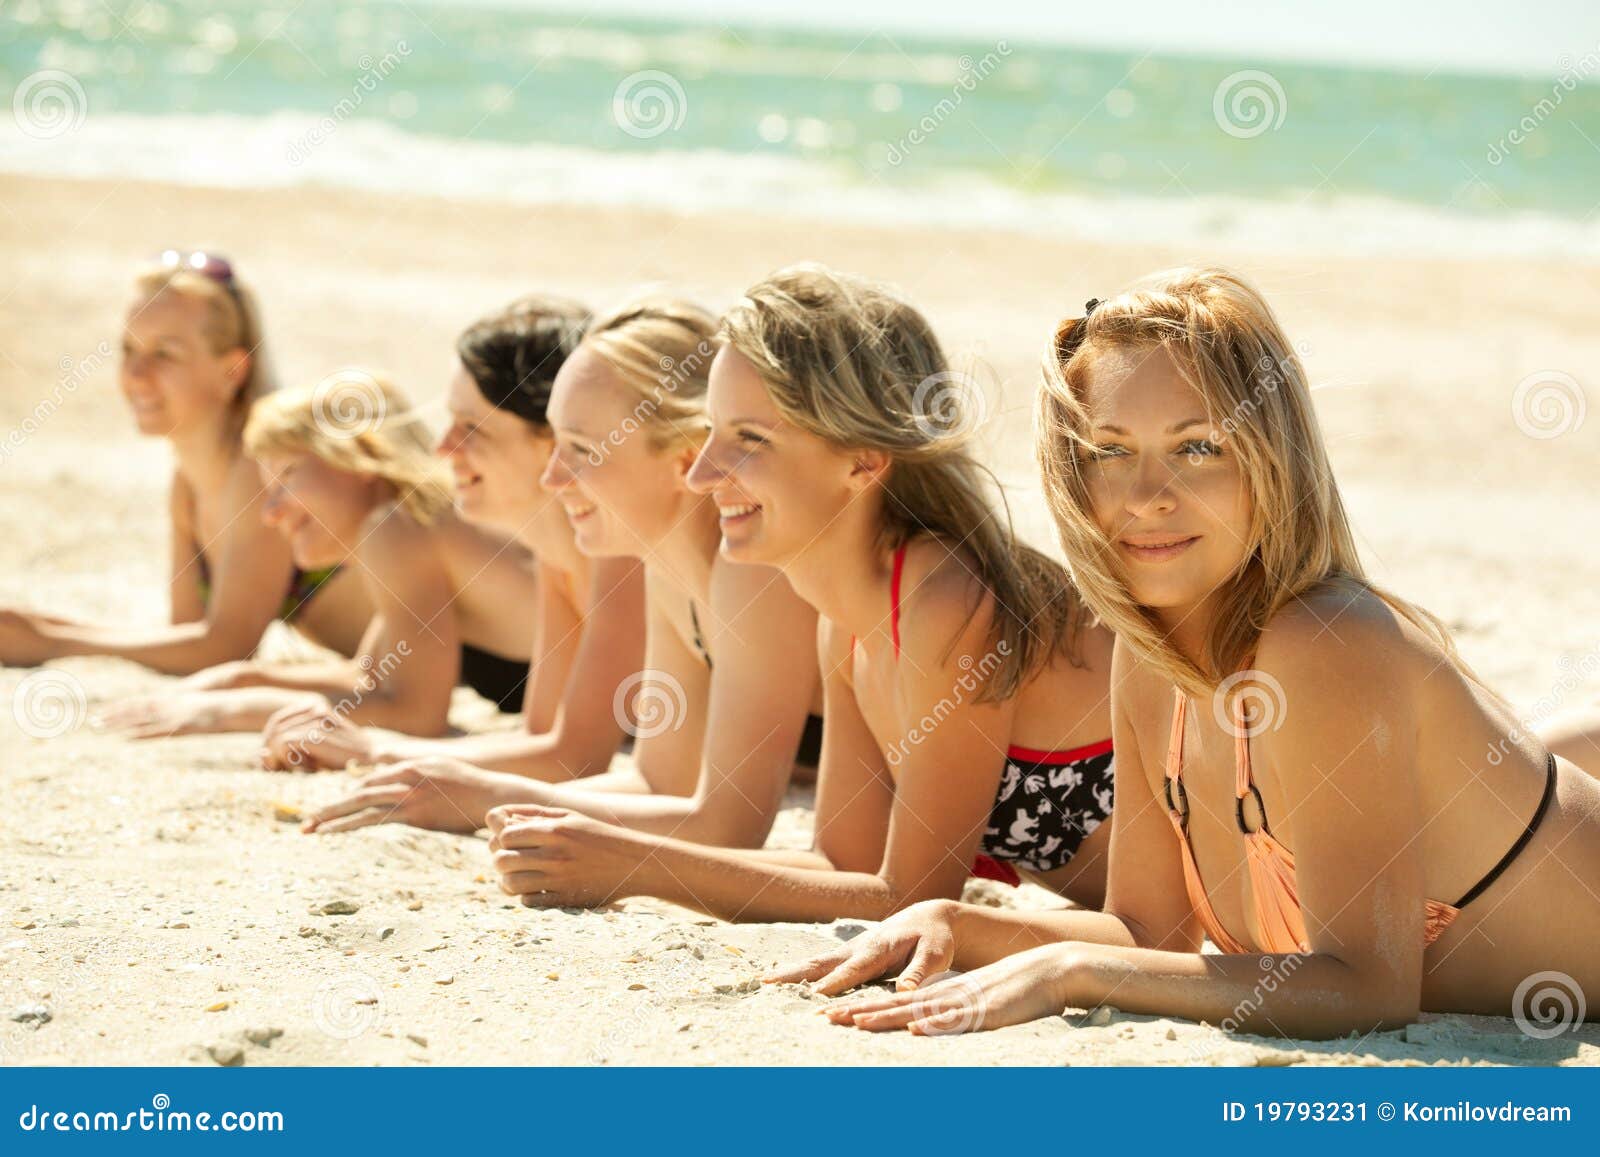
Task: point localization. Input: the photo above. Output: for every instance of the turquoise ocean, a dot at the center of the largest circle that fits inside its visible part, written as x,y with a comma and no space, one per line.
515,102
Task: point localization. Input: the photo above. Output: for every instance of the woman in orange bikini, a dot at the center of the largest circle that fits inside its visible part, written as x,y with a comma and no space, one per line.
1304,765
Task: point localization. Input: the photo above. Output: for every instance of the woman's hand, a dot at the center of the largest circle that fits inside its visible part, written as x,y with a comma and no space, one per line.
920,941
24,639
1022,987
445,795
550,857
314,737
184,713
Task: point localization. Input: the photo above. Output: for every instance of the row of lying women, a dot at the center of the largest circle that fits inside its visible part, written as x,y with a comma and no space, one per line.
704,536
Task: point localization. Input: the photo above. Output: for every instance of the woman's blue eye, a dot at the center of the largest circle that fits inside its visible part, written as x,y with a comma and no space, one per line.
1201,448
752,439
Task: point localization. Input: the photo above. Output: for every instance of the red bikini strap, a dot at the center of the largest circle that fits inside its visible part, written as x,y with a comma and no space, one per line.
894,598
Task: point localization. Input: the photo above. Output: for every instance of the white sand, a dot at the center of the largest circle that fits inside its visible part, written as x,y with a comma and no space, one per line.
142,885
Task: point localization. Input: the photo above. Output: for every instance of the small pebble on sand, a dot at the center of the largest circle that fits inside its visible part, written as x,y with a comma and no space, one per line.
219,1006
225,1054
339,908
35,1014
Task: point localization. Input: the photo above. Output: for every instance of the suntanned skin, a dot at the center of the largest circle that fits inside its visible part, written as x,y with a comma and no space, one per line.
589,633
897,822
178,388
1380,779
715,748
433,587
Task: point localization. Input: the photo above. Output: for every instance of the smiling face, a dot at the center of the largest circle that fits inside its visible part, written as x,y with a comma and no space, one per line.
319,508
496,458
777,487
622,494
171,379
1165,486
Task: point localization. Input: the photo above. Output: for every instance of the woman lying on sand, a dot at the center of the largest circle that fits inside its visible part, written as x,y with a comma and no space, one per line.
1306,772
193,361
590,615
352,481
966,697
726,700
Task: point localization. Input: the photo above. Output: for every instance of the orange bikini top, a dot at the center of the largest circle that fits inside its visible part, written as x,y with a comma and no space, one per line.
1271,865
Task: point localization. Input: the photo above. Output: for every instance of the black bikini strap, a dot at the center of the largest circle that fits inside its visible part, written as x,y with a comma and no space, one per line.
699,641
1522,841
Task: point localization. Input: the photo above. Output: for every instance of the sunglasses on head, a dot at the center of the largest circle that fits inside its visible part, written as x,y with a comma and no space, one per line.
211,265
1070,334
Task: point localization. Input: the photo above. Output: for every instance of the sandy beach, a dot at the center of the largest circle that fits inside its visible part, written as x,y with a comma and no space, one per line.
158,904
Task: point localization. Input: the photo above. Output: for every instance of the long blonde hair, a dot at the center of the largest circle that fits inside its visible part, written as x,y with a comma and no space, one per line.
848,361
358,421
1228,344
233,321
661,348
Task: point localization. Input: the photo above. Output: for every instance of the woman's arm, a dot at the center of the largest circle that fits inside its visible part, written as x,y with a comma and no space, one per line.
188,605
411,657
593,651
1338,777
934,810
248,585
758,703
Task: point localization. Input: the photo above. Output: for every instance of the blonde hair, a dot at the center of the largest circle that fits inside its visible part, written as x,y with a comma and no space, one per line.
358,421
1225,340
232,321
661,348
848,361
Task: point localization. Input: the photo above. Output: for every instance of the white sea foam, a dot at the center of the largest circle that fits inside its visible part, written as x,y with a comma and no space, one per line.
291,149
